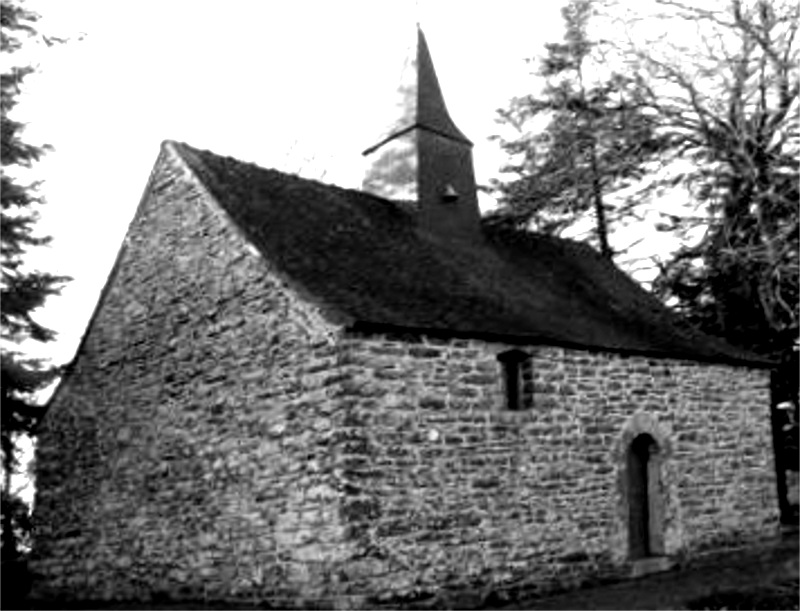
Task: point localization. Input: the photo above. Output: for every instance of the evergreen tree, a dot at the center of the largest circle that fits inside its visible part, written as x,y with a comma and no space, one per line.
595,139
23,290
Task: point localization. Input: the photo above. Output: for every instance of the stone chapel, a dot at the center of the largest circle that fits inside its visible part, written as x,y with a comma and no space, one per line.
296,394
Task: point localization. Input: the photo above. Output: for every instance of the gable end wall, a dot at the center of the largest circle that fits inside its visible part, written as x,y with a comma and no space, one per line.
176,461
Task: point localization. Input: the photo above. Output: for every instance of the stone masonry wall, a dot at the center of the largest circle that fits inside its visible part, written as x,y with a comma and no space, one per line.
218,439
186,455
466,498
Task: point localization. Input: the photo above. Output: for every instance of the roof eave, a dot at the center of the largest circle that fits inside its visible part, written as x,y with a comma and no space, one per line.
370,328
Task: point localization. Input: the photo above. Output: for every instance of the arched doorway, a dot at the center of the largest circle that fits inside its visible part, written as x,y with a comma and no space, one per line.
644,502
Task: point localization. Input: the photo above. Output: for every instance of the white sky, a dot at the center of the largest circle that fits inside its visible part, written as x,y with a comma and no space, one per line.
298,85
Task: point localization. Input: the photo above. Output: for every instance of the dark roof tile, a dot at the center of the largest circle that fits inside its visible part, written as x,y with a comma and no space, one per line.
364,258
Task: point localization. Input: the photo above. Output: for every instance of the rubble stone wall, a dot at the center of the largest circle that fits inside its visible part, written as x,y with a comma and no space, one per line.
466,497
186,455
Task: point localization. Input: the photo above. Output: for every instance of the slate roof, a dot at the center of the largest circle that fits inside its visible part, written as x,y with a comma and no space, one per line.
363,259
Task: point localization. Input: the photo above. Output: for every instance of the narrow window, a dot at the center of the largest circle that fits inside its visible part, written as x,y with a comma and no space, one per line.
517,379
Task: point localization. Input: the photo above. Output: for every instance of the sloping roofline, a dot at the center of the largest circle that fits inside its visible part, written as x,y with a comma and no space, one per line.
367,326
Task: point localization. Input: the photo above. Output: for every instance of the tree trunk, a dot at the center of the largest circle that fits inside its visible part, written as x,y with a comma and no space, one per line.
599,209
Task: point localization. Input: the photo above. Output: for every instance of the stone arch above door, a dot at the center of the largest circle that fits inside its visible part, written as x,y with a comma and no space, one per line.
643,423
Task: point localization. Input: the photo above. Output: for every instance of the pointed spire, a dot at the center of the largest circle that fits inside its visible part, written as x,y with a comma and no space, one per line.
420,101
431,110
423,156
